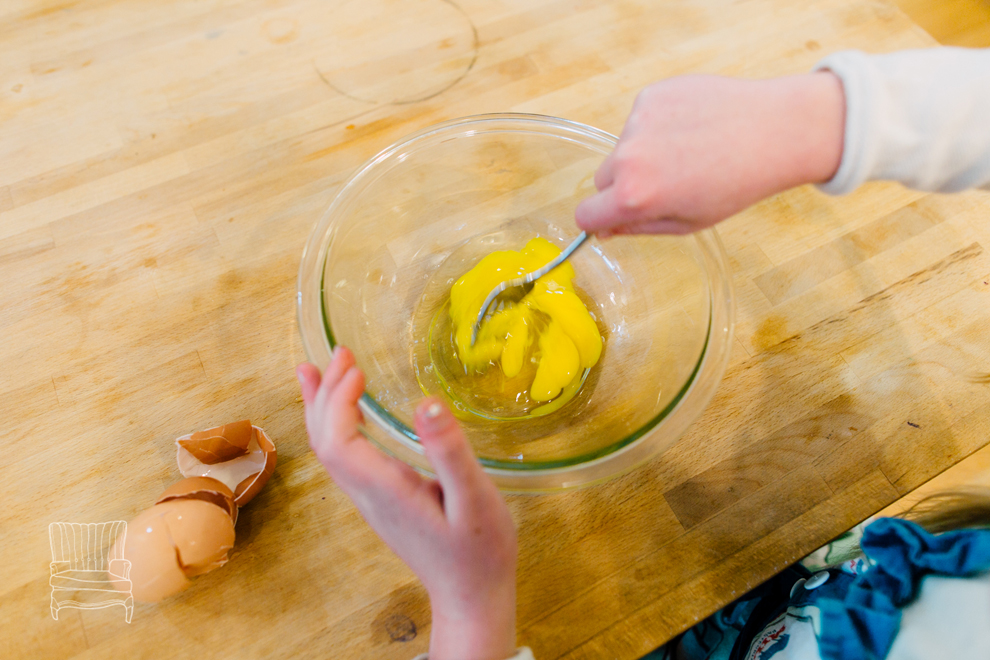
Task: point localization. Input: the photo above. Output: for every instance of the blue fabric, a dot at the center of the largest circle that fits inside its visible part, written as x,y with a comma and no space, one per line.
862,625
713,638
859,614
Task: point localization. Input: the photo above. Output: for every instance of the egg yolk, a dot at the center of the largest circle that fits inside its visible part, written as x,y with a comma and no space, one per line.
550,323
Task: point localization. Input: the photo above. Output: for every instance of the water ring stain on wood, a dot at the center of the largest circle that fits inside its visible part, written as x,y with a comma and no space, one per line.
366,61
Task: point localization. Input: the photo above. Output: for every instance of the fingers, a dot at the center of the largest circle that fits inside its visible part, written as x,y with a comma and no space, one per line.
342,360
350,459
600,212
375,482
366,474
309,381
353,461
332,414
659,226
337,428
606,215
605,174
344,412
458,471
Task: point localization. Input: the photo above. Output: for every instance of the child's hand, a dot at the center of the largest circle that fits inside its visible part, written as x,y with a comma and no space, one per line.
697,149
455,533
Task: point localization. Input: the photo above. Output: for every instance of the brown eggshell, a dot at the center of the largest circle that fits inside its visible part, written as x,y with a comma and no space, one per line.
155,572
220,444
249,487
202,534
205,489
173,541
244,475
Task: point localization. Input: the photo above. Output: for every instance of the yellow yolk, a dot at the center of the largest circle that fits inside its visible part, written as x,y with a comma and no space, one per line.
550,319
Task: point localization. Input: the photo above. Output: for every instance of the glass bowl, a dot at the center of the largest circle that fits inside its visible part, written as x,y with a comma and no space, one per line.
379,265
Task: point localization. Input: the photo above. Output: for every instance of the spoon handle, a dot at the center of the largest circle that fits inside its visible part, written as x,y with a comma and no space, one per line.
568,251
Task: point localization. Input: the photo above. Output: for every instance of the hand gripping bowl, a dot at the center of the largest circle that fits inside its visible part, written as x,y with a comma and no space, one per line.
408,223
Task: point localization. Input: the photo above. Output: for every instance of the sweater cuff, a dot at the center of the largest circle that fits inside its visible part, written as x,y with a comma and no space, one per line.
522,653
914,116
859,152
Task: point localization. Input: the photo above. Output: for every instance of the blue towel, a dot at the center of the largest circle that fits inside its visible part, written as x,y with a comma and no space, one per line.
863,624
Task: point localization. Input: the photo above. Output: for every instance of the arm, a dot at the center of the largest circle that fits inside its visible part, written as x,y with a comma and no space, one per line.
698,149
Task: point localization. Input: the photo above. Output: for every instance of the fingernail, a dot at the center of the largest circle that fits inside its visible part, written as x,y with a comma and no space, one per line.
434,410
299,375
336,351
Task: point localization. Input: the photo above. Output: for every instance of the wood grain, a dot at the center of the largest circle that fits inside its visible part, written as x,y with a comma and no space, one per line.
161,166
963,23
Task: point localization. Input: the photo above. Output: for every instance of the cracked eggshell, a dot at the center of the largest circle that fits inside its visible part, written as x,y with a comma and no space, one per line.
244,474
155,572
205,489
219,444
173,541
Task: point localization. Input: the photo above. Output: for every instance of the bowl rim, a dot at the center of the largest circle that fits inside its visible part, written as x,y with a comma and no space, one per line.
545,476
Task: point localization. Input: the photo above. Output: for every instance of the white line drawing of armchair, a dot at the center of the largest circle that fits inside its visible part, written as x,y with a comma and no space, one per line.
86,573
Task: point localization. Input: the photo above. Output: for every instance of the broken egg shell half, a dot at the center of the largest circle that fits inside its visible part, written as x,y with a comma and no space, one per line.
205,489
221,443
171,542
244,475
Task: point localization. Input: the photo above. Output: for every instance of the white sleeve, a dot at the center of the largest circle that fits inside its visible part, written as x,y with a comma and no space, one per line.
921,117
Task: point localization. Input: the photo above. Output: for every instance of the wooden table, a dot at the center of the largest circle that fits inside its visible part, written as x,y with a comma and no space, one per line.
161,165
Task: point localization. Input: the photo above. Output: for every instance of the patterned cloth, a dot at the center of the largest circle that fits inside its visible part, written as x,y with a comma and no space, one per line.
856,613
862,622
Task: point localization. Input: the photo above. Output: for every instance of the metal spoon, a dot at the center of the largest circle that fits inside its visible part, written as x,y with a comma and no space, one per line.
515,290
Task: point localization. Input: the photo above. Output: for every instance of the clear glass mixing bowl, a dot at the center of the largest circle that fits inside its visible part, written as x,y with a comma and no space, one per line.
418,215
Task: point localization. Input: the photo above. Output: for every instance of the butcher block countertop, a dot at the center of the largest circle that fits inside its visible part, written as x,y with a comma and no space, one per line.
161,166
